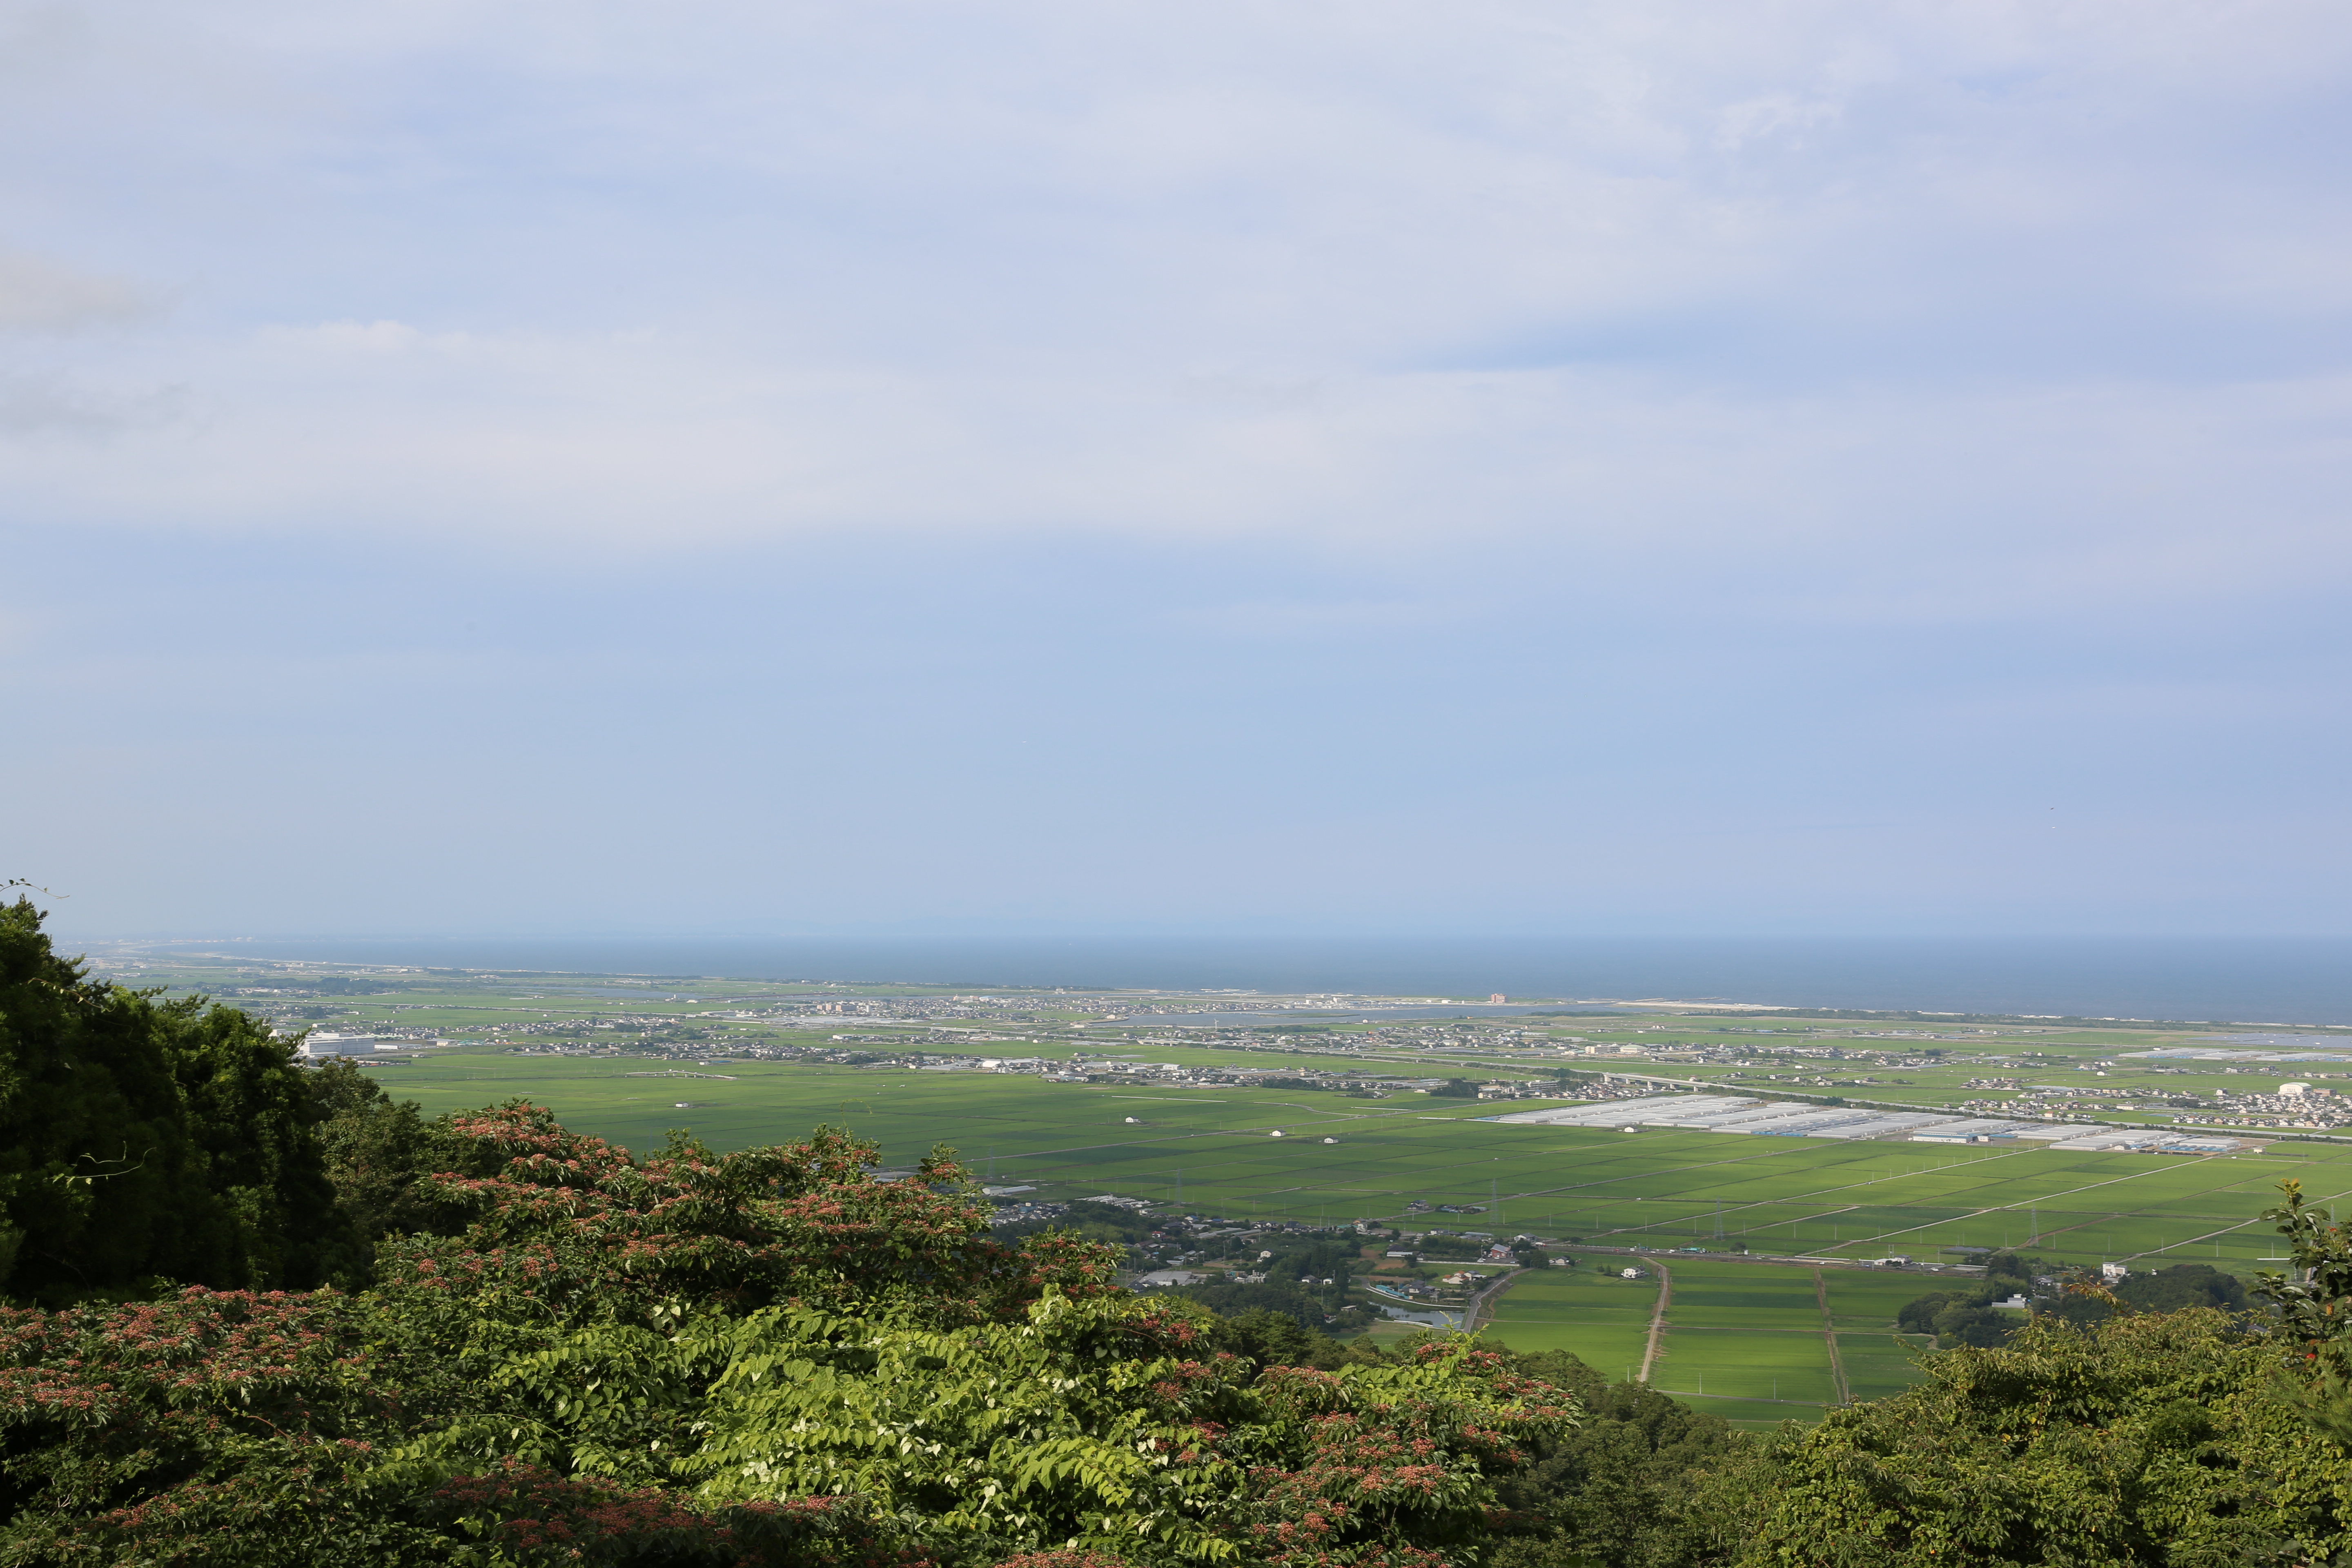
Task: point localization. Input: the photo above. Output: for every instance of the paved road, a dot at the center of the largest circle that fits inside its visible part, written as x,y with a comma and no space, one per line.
1486,1298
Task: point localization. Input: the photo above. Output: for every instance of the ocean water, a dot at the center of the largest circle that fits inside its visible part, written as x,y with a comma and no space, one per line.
2241,979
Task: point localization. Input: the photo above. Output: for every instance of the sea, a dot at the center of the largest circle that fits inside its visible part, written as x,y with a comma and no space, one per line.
2238,980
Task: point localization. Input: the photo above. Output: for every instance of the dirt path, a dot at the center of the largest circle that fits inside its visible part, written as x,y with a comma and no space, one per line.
1829,1333
1657,1318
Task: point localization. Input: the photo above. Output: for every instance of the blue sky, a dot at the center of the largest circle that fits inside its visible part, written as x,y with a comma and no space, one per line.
1642,470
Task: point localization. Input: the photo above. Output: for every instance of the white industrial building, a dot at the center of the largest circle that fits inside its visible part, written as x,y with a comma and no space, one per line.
1771,1118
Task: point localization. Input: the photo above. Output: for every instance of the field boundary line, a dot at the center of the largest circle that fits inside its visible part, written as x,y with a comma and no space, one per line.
1328,1121
1829,1333
2007,1208
1818,1193
1792,1147
1658,1319
1795,1198
2191,1241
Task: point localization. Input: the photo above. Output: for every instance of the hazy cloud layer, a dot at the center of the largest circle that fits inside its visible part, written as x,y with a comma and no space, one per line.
39,295
1826,379
1013,265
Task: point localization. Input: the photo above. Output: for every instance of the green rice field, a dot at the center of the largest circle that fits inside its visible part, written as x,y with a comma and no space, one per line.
1747,1340
1752,1341
1602,1319
1803,1325
1341,1158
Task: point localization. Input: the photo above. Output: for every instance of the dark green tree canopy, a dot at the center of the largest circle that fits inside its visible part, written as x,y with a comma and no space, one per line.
143,1139
2182,1285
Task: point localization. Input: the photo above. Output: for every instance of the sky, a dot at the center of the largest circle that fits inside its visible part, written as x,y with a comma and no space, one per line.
1790,468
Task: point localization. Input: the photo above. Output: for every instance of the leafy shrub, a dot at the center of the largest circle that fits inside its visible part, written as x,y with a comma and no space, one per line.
765,1357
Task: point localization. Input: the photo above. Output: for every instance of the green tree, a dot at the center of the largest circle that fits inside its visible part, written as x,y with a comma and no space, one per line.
381,1153
2145,1440
1633,1484
2182,1285
1274,1337
761,1358
1088,1428
143,1139
2313,1304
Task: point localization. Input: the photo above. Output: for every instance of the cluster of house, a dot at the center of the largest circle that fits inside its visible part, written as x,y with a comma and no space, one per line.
2290,1105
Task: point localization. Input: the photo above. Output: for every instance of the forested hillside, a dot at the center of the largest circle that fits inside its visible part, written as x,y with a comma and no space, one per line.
142,1140
263,1314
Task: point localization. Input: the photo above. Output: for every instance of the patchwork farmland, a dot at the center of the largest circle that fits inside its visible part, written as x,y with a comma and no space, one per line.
1755,1341
1748,1169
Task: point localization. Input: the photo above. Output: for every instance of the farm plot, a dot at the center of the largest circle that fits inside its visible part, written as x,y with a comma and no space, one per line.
1746,1340
1877,1361
1877,1365
1867,1298
1789,1370
1713,1295
1743,1335
1600,1319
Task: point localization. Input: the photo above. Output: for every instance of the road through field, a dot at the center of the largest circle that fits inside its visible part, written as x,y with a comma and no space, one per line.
1484,1300
1829,1333
1657,1317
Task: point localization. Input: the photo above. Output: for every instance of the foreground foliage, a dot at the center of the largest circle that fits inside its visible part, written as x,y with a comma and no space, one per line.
1639,1482
2155,1439
143,1140
761,1357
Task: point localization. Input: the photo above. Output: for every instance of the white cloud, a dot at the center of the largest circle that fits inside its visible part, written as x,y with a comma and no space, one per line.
40,404
1860,502
1931,304
37,294
351,337
1780,113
